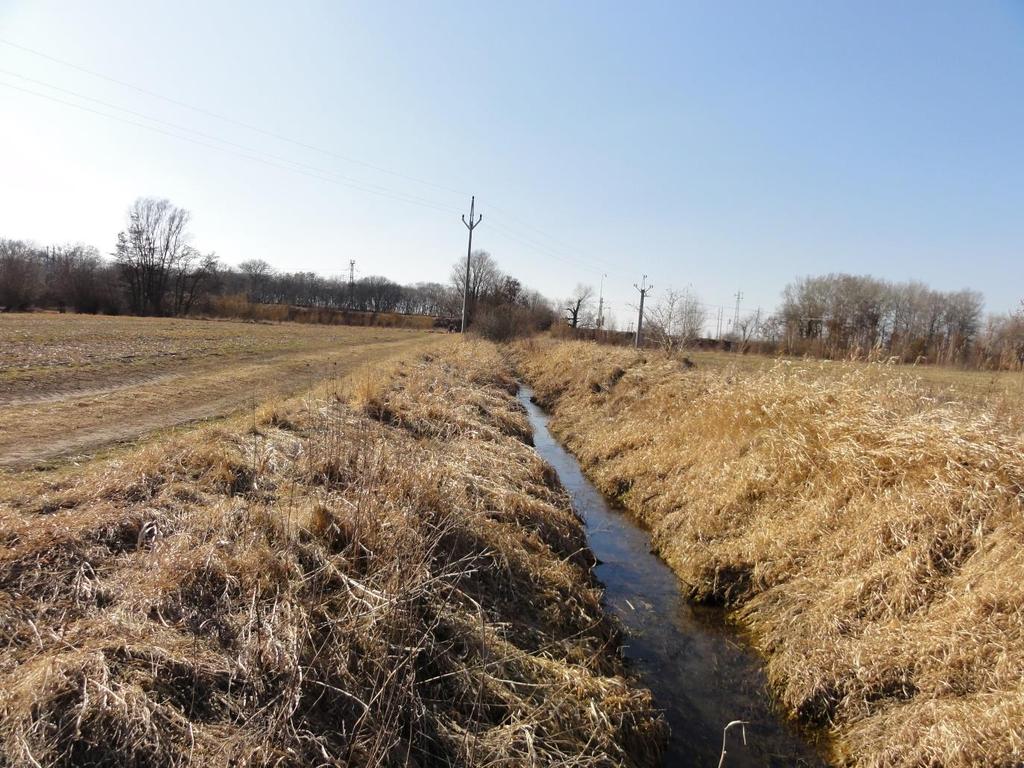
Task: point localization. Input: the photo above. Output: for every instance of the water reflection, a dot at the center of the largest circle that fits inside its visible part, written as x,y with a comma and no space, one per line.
700,675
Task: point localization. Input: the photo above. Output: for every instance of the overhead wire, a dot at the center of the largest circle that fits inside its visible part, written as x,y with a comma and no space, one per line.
356,183
510,231
225,118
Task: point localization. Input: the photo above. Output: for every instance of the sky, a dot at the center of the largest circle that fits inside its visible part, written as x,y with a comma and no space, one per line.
717,147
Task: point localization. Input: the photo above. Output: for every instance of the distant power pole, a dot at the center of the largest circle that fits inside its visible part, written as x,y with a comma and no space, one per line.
351,272
644,290
718,336
736,317
600,304
470,225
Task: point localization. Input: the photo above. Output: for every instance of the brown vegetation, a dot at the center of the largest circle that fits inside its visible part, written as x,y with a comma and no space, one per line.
861,317
868,532
239,307
380,573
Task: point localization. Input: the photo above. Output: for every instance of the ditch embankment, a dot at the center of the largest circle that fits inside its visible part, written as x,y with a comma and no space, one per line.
382,572
866,536
686,654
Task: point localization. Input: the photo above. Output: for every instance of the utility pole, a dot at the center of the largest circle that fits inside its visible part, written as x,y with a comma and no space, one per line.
470,225
351,272
718,336
644,290
600,304
736,317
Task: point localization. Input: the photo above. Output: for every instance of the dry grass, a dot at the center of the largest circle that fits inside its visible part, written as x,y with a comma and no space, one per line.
238,306
868,533
380,573
1002,389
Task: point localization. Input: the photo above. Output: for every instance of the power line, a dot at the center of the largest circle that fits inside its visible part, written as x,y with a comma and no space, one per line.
364,186
250,153
604,266
225,118
552,238
543,250
358,183
319,174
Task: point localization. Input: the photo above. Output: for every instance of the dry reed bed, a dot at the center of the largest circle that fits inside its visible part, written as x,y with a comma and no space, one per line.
381,574
870,536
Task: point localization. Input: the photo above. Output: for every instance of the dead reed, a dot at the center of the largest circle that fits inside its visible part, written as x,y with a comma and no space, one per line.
868,533
380,573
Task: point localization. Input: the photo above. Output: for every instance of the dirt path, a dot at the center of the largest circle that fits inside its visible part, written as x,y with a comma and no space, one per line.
68,424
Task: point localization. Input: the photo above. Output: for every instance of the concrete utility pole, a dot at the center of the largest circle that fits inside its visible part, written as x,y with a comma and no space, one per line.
736,317
600,304
718,336
644,290
470,225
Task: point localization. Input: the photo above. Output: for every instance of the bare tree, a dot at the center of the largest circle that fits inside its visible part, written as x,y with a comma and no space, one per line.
149,252
484,278
258,272
838,315
746,329
380,294
509,290
577,305
20,276
675,320
191,275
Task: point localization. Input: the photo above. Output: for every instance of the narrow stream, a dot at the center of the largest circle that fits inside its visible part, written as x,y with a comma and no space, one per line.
701,676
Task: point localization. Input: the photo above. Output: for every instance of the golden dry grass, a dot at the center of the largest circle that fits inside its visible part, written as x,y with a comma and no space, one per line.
869,533
381,572
1001,389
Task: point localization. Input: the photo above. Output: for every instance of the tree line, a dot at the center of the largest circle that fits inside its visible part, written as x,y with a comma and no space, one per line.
838,316
841,315
155,270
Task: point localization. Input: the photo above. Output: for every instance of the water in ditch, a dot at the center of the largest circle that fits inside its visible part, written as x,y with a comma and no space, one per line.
700,674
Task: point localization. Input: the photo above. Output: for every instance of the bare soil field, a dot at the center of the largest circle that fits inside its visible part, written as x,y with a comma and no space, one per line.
70,384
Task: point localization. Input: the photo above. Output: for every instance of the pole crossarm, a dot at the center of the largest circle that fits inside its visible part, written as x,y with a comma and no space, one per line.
470,225
644,289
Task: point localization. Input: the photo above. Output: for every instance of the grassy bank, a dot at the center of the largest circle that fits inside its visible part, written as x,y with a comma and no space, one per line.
868,533
379,573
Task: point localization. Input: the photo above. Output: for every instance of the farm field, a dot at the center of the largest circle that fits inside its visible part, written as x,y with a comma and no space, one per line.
70,384
862,522
992,387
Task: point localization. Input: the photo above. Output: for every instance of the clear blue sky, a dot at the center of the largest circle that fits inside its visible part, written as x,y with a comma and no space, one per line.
720,145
